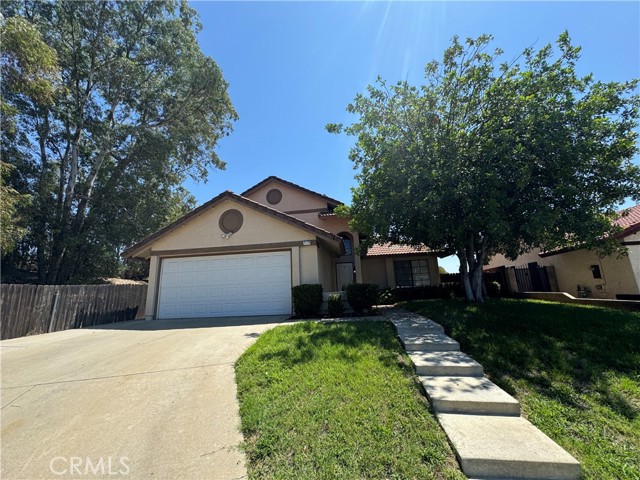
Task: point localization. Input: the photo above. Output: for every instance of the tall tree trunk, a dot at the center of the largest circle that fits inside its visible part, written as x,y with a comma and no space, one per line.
472,258
41,223
464,276
64,243
68,265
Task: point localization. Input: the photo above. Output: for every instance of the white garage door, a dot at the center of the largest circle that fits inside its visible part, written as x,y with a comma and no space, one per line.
225,285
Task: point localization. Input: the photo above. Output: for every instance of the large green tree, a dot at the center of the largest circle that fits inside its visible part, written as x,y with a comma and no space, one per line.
138,108
488,156
30,68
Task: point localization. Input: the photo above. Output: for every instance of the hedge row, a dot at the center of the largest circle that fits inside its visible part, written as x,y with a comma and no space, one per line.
307,299
429,292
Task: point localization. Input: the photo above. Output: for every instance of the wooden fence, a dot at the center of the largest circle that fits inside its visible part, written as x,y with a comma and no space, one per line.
34,309
532,278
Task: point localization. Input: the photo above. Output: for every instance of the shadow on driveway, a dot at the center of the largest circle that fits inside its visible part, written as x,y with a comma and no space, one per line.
182,323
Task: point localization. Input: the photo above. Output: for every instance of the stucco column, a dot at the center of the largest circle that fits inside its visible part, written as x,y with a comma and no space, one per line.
356,258
391,275
152,288
434,271
634,259
295,266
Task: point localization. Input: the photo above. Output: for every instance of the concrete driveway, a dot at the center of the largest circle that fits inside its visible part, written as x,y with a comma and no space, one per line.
153,399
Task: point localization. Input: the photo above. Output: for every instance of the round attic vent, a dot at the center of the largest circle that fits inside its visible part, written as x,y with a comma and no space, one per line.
231,221
274,196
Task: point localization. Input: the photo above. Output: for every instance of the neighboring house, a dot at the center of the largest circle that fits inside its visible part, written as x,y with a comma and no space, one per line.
240,255
582,272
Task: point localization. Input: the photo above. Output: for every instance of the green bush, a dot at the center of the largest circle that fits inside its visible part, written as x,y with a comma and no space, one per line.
493,289
307,300
362,296
387,297
336,308
452,290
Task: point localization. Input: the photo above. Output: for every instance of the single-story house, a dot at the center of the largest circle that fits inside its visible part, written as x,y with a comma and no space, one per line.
582,272
239,255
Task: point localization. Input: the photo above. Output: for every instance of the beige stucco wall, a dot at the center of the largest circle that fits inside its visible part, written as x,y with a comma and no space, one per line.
309,270
259,232
634,256
574,268
294,202
333,224
204,231
154,276
500,260
380,270
374,270
293,199
327,270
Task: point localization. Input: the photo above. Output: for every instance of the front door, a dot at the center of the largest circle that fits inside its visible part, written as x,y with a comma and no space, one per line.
344,271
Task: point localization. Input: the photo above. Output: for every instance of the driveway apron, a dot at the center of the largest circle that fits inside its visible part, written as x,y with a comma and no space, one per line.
154,399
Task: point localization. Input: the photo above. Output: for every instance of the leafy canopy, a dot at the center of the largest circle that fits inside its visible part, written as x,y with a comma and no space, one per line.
136,109
30,68
488,156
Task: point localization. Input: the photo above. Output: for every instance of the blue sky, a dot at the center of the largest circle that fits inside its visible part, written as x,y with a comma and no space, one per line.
293,67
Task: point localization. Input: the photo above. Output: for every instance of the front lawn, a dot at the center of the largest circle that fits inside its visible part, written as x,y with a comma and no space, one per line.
337,400
574,369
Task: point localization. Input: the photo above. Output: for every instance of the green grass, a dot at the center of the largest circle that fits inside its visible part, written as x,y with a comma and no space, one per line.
337,400
574,369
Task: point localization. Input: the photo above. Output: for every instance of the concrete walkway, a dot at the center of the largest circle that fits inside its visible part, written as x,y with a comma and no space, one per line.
136,400
482,421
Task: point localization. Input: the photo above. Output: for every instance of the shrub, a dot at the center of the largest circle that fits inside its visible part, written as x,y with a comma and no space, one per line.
425,292
307,300
362,296
493,289
336,308
387,297
452,290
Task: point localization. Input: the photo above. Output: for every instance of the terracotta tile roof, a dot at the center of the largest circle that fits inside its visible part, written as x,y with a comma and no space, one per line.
290,184
140,246
388,249
631,219
629,222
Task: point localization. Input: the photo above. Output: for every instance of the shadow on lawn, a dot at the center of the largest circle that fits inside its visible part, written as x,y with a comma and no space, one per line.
348,341
562,350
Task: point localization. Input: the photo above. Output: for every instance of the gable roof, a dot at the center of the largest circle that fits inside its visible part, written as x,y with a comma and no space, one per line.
388,249
290,184
629,219
228,195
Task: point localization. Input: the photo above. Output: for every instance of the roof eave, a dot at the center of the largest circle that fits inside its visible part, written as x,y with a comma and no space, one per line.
402,254
139,247
290,184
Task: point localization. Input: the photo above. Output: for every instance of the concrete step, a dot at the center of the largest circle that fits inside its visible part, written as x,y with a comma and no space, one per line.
411,330
506,447
418,325
451,364
469,395
429,342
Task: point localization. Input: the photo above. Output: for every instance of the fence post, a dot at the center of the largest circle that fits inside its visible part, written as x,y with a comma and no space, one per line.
512,282
53,310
